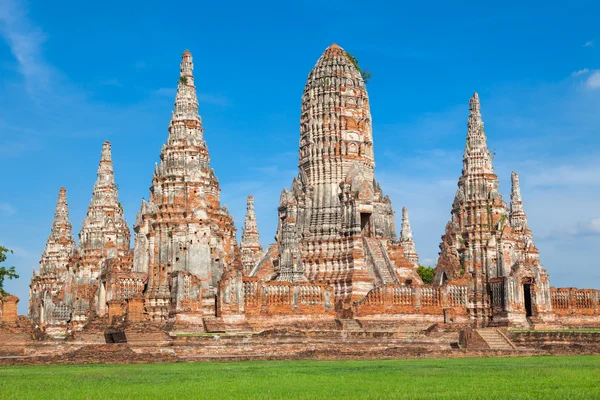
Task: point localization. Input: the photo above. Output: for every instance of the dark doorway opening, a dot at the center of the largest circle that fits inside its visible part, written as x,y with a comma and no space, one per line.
365,224
527,292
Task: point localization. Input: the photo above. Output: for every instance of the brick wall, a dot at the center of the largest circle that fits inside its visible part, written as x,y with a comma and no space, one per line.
8,309
397,299
571,301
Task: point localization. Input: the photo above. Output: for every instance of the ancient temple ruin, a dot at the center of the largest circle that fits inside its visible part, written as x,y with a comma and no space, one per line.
337,260
184,237
489,246
336,226
47,303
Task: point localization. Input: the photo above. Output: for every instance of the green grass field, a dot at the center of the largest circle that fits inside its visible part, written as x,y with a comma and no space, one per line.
483,378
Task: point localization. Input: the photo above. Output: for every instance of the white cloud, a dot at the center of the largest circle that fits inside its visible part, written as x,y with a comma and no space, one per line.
25,41
589,43
593,81
580,72
580,229
7,209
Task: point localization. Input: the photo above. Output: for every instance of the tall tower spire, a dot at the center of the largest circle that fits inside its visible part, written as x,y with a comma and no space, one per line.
518,219
104,229
470,243
335,220
183,231
46,286
406,239
478,181
186,101
476,137
60,244
406,233
250,248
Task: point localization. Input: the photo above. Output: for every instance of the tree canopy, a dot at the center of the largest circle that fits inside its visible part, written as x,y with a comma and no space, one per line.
426,274
5,272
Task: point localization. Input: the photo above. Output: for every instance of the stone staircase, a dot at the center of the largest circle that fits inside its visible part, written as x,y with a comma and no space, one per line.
495,339
374,253
349,325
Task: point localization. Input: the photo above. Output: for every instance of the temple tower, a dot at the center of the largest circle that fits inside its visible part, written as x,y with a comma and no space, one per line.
483,246
518,219
335,224
183,234
104,235
46,296
251,248
406,240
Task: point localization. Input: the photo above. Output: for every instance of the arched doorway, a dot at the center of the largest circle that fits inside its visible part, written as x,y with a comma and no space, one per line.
365,224
527,296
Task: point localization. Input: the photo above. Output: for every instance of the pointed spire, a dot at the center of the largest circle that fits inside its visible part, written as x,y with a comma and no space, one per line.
60,243
406,240
105,220
406,233
518,219
187,65
186,102
476,137
61,226
477,159
250,222
106,176
250,248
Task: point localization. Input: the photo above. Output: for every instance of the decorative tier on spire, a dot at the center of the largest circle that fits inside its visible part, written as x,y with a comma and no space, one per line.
183,231
406,240
251,248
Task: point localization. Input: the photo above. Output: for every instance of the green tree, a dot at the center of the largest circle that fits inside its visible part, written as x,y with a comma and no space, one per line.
5,272
426,274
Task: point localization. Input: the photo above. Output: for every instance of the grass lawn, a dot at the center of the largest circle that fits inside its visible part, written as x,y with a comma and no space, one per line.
576,377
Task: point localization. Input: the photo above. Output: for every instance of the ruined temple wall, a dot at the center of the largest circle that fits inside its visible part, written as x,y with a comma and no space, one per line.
251,296
8,309
576,307
398,299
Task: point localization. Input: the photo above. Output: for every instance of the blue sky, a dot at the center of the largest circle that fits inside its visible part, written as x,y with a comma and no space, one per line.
75,74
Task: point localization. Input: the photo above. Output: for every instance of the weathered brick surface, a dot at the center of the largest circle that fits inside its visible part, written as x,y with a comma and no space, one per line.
8,309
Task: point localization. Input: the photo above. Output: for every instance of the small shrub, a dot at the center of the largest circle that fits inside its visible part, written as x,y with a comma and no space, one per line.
426,274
